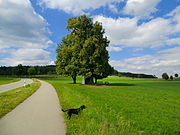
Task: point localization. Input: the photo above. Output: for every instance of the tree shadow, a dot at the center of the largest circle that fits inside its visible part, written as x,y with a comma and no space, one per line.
109,84
121,84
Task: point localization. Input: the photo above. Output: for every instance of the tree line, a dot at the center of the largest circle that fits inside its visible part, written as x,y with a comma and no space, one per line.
21,70
133,75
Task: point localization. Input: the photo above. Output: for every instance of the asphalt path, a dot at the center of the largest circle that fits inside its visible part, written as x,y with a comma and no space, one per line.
40,114
15,85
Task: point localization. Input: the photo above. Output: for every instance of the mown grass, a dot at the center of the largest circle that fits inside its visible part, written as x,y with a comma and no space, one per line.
6,80
125,107
10,99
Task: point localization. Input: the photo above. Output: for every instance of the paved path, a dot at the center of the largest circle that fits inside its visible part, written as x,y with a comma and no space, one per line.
38,115
14,85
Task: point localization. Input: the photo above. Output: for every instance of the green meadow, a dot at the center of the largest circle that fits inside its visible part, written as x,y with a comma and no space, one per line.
5,80
124,107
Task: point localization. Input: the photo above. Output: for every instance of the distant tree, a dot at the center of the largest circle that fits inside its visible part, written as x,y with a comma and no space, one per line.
176,75
83,51
19,70
139,76
165,76
119,74
171,77
115,72
31,71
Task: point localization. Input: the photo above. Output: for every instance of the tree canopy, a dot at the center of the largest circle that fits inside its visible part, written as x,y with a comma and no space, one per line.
83,50
31,71
176,75
165,76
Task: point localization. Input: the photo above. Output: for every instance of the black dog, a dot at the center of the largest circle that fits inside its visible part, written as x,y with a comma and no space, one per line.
74,111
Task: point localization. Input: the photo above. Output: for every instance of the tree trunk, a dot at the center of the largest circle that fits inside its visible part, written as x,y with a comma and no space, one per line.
95,80
74,79
89,80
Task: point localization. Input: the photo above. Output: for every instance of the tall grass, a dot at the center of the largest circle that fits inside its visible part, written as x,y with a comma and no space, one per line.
125,107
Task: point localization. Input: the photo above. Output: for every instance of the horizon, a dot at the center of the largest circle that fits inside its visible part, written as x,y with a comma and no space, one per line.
144,35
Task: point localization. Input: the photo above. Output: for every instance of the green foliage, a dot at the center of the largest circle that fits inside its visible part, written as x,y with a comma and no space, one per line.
124,107
83,50
19,70
32,71
176,75
165,76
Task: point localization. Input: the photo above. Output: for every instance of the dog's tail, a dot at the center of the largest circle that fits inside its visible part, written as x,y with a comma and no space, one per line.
63,110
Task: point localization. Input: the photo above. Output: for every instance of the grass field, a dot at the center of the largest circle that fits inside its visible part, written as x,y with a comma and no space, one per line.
10,99
125,107
5,80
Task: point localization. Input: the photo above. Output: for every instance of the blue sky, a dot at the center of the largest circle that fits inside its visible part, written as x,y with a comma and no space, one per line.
144,34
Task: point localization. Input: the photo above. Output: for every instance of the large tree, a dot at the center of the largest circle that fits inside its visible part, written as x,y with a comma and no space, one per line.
83,50
67,62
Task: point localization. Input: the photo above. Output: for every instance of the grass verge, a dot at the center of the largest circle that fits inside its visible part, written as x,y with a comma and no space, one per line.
10,99
124,107
6,80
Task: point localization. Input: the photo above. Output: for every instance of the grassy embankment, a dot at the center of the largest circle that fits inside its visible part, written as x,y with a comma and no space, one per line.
125,107
10,99
5,80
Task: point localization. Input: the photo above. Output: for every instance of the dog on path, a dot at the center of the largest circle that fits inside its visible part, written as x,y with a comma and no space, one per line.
74,111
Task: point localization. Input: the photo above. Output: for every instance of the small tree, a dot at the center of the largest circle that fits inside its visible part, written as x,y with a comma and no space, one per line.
171,77
176,75
165,76
31,71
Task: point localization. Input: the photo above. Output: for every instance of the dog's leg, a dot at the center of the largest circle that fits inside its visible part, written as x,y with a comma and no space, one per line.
69,114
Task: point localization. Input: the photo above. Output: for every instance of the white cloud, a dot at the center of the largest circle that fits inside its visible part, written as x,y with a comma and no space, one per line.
75,6
175,18
167,62
113,8
27,57
52,63
114,49
173,41
127,32
140,8
21,28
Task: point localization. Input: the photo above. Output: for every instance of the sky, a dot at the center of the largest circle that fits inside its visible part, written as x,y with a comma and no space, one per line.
144,34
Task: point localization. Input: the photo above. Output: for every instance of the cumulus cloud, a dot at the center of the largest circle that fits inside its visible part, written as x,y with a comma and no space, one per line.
164,61
140,8
27,56
127,32
23,32
75,6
